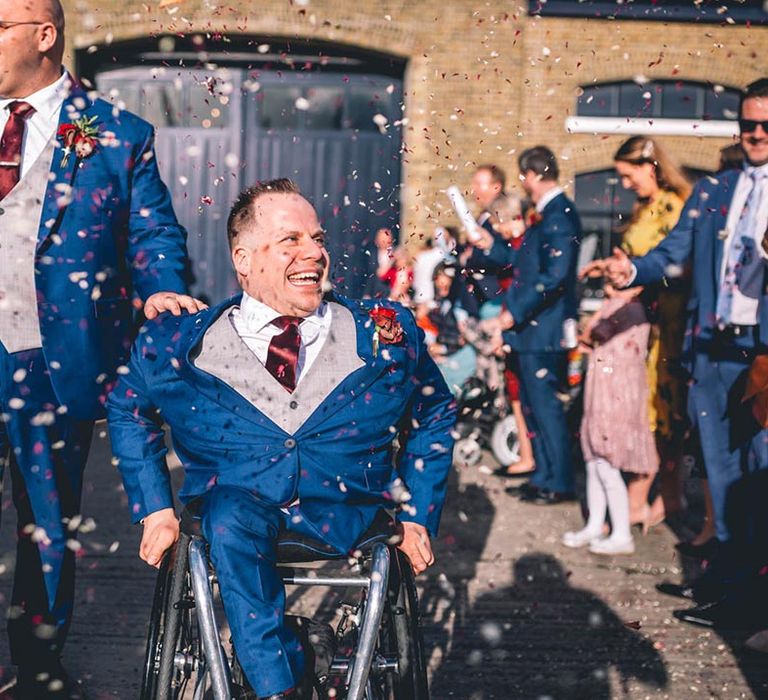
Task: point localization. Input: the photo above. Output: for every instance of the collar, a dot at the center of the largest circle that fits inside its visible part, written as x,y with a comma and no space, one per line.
47,101
758,171
547,198
257,314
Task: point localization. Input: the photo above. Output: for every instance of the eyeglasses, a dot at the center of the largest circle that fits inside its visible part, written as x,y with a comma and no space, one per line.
747,126
7,24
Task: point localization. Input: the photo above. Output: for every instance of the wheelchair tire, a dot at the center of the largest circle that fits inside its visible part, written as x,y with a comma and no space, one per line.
401,636
165,623
505,442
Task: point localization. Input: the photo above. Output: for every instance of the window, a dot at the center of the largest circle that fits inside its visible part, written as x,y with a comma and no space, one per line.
667,99
716,11
359,106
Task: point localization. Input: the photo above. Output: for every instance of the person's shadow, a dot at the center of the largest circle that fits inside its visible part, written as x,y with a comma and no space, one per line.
444,600
541,638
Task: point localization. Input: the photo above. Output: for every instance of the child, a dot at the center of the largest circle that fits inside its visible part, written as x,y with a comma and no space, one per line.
615,432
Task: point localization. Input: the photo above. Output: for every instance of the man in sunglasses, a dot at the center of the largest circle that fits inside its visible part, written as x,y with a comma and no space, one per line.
722,236
87,236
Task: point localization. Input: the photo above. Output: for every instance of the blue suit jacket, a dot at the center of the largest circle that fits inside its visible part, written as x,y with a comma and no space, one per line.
543,290
698,237
220,437
113,237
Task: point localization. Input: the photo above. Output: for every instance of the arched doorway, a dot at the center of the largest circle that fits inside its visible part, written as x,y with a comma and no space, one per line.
229,113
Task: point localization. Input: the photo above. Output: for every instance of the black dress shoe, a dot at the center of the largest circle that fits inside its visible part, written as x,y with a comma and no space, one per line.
545,497
526,489
725,614
707,550
503,473
701,592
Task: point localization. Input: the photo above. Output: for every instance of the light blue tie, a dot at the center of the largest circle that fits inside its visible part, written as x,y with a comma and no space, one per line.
744,265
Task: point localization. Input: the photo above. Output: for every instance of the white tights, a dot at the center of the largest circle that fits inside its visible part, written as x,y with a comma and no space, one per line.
606,490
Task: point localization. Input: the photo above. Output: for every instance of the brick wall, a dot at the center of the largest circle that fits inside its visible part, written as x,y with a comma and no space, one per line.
484,79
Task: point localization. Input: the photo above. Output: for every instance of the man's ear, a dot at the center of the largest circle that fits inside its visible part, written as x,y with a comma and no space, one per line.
241,259
48,37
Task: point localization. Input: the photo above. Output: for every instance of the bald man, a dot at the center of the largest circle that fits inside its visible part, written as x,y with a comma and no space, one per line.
87,237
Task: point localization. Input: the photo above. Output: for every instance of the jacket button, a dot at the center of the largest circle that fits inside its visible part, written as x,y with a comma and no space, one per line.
294,404
290,443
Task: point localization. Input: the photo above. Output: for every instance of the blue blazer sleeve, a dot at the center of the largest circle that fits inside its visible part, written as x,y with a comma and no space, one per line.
560,241
676,248
157,248
136,433
427,455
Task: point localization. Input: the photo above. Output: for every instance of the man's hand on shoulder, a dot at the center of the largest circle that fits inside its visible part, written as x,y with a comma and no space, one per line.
161,530
173,302
416,546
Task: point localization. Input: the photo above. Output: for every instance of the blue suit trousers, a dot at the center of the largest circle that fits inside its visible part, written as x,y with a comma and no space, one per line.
735,449
542,375
46,452
241,532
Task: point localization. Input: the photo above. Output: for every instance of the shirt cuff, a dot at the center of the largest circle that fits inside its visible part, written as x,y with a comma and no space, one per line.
632,276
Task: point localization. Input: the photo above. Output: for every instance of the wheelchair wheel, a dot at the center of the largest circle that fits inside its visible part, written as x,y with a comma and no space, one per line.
400,637
173,645
505,442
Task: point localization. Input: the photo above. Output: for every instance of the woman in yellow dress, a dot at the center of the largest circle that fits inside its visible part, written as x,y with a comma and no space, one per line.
661,188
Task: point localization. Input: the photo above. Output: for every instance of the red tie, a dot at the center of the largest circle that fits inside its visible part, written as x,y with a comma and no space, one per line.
10,146
283,355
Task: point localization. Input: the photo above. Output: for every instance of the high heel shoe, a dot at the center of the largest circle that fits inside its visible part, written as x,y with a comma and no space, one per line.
648,520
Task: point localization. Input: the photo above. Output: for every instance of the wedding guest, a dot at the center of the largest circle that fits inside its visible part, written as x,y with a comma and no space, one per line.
73,270
722,235
615,433
379,283
661,188
538,303
444,321
425,260
507,220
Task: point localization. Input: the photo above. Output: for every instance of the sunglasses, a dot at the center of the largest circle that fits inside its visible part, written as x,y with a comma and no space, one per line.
747,126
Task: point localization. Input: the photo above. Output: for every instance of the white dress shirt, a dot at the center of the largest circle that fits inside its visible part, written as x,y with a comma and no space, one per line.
42,125
743,307
253,322
547,198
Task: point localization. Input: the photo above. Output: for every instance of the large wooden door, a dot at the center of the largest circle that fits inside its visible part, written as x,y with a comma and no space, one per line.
221,130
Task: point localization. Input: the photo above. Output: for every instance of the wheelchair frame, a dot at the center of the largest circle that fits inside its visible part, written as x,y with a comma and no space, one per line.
387,660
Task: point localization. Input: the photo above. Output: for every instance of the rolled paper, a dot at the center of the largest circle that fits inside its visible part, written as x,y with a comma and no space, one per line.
462,211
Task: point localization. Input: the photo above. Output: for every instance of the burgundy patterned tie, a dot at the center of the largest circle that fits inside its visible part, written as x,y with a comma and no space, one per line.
283,355
10,146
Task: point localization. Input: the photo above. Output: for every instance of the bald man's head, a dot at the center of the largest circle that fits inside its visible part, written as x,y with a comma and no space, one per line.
31,45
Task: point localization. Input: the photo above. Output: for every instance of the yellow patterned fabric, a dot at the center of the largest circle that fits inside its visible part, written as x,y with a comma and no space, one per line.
667,396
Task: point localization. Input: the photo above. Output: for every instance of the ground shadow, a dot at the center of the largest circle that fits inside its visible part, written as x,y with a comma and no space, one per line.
541,637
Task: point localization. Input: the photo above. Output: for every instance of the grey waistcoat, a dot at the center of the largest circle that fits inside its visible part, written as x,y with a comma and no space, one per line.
224,355
19,224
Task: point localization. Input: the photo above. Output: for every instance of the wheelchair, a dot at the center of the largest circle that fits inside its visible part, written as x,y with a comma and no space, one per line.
379,652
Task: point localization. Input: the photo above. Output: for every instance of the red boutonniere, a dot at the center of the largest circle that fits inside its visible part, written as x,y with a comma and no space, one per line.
533,218
387,328
79,136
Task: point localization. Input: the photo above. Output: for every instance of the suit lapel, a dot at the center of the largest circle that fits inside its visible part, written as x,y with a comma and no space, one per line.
719,218
59,194
359,382
337,377
214,343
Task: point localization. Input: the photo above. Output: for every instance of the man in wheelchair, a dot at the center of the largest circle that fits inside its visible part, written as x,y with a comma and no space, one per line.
288,407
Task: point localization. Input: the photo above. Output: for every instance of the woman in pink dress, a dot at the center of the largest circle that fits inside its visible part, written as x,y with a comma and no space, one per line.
615,432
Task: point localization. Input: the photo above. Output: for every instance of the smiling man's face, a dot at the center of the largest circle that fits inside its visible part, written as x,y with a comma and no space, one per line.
281,258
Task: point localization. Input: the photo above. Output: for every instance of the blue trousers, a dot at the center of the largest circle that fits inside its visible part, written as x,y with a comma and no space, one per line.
241,532
542,375
46,452
734,447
